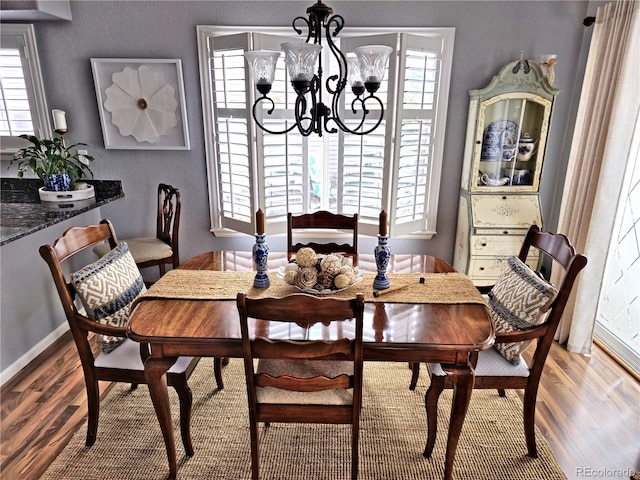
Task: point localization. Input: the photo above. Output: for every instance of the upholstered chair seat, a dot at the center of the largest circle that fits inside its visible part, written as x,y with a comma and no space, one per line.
143,249
127,357
490,364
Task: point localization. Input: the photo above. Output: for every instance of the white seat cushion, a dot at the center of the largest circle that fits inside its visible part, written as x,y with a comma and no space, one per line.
127,357
304,369
142,249
491,364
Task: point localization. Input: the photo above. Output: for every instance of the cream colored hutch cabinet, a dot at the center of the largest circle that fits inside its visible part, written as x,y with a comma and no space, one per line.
503,156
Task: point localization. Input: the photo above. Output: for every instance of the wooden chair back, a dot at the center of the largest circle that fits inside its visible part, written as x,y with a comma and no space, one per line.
73,241
168,220
303,310
124,364
145,250
323,220
557,248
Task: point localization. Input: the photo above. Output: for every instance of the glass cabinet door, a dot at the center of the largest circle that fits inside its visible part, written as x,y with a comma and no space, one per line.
509,143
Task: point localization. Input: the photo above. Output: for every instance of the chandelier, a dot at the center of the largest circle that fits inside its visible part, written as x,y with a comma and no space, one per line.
364,73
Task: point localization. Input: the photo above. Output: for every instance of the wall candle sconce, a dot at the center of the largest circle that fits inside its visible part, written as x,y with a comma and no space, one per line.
60,123
547,62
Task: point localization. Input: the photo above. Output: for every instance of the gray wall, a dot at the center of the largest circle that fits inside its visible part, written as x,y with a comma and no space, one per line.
488,35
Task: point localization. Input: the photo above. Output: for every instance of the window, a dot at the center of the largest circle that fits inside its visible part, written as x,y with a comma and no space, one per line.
23,106
395,168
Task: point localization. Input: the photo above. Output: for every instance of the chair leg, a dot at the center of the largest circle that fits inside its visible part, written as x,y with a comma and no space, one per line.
355,435
501,392
431,406
217,371
186,400
415,373
529,417
255,453
93,407
134,386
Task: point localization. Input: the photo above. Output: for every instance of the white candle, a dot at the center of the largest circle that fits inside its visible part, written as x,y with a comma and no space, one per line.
59,119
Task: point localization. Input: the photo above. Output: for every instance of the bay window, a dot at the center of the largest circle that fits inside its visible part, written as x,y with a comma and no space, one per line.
395,168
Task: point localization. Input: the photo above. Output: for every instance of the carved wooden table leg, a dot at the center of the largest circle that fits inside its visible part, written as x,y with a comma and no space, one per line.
463,379
155,372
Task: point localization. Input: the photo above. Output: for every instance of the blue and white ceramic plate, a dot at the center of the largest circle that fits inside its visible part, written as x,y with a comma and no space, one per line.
496,136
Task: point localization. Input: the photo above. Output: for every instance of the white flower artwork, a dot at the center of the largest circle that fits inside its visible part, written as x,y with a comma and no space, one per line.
142,104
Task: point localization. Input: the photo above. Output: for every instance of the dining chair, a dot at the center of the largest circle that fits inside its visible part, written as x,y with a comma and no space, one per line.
525,309
161,250
302,381
107,289
323,220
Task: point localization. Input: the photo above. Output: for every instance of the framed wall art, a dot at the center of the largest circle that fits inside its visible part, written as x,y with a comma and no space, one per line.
141,103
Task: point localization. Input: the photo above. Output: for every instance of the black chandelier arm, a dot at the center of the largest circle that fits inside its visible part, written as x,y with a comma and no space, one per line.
269,112
307,23
328,128
302,116
365,111
337,23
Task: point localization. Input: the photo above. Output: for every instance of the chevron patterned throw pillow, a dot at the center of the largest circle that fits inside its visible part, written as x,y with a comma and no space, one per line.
107,288
518,301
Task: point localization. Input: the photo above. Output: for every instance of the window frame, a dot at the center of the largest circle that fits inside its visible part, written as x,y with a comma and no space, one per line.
446,34
34,83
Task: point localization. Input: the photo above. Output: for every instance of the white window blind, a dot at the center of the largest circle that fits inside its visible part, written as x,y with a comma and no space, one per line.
23,107
396,168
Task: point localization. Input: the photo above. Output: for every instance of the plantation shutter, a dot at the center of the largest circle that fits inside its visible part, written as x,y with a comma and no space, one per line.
235,185
415,187
23,107
363,186
282,159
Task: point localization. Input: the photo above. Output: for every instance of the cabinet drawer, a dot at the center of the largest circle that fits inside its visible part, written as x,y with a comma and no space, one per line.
504,231
496,245
505,211
490,268
485,267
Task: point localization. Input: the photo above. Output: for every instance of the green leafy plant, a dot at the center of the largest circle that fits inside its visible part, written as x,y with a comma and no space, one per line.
46,157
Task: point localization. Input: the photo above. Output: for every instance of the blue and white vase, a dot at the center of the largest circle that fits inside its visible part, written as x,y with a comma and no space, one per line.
260,257
382,253
57,182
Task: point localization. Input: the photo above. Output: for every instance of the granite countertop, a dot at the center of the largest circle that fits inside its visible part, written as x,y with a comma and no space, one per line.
22,212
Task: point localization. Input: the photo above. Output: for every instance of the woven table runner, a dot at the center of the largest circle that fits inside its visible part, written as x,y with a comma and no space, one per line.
450,288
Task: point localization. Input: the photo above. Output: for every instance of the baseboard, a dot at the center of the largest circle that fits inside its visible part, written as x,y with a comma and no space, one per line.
13,369
616,358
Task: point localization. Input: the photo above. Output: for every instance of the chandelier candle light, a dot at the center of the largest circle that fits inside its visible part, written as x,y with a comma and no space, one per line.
364,73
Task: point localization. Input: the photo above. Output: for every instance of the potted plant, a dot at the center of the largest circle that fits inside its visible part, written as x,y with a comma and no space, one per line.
53,162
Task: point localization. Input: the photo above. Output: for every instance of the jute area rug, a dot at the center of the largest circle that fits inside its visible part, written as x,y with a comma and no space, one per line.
393,435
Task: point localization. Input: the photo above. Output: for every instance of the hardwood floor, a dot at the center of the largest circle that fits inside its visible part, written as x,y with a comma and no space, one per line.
588,410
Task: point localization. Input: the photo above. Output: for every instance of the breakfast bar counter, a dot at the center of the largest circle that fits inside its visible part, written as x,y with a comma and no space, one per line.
23,213
32,317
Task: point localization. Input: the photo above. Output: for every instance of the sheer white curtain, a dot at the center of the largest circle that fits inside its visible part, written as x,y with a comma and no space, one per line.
609,106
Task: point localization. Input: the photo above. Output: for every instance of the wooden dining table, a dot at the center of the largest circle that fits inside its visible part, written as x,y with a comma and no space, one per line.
410,330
